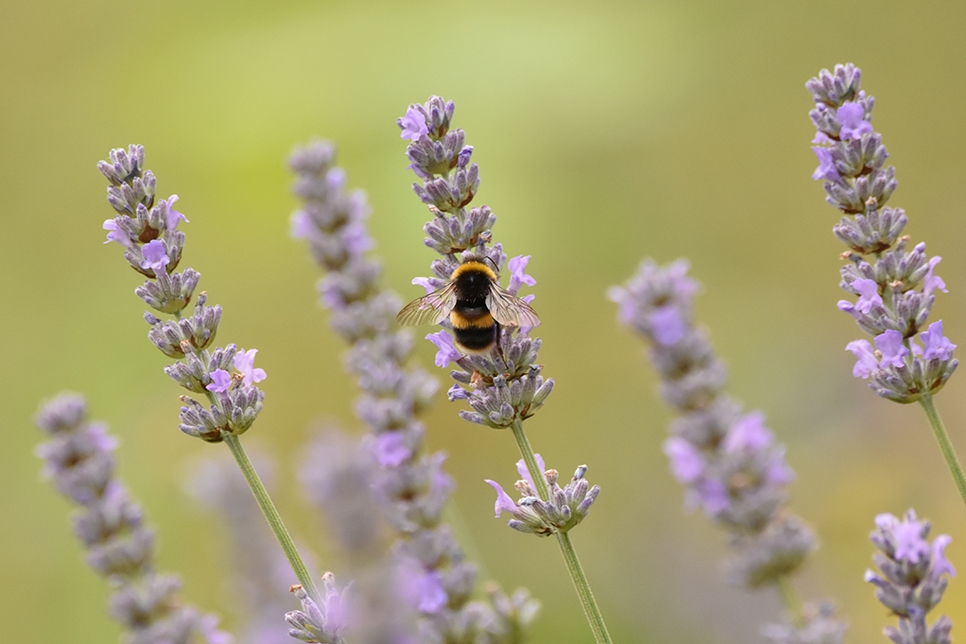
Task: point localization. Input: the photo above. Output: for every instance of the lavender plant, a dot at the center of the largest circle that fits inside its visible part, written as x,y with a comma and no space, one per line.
410,484
153,245
912,577
728,460
505,385
896,287
79,459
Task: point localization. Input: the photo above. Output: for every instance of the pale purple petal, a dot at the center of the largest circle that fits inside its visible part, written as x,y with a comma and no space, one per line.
867,362
431,596
869,295
667,324
116,234
172,217
936,344
503,501
777,471
748,433
447,352
517,277
826,166
822,138
910,545
425,283
413,124
891,347
852,118
932,281
154,256
335,179
686,461
941,565
220,381
356,238
391,449
245,363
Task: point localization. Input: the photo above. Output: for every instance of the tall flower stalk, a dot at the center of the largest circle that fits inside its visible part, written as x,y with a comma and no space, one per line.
895,287
79,459
148,232
411,485
504,386
728,460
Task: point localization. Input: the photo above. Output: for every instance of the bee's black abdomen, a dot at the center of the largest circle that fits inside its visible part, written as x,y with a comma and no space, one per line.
475,339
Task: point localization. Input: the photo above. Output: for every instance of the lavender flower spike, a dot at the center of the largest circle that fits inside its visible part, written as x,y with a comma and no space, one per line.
153,245
410,485
912,578
896,286
320,623
503,385
502,382
120,547
728,461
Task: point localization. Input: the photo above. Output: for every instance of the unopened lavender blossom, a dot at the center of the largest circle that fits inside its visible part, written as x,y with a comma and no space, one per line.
912,577
895,287
818,626
728,460
120,547
261,575
226,376
503,385
567,506
411,485
319,622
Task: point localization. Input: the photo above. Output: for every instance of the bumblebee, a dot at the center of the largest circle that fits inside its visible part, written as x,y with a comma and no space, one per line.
476,305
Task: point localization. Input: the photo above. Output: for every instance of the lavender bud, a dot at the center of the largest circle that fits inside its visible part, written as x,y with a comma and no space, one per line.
819,627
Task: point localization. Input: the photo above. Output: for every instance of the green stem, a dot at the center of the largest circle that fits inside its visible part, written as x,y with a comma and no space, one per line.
273,518
791,600
587,601
945,446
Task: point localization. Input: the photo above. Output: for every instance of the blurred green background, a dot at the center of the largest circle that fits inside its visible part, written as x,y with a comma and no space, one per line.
605,132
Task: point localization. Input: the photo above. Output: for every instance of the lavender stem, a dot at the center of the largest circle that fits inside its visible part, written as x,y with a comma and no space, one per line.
793,604
582,586
945,446
272,516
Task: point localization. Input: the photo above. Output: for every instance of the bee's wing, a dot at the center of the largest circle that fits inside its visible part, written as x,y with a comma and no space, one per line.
429,309
509,310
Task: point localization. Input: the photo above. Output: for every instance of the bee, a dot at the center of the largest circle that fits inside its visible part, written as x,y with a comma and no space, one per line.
476,305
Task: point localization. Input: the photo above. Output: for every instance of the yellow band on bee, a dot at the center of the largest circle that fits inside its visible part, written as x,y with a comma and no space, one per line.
461,321
473,265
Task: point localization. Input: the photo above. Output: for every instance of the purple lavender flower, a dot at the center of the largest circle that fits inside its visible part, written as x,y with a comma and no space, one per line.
567,507
411,486
896,287
819,627
504,385
120,547
912,578
323,624
153,245
729,462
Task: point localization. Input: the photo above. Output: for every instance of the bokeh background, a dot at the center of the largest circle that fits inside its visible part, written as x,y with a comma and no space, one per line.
605,132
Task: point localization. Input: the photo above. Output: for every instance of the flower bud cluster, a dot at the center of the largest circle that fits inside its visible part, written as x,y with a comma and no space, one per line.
728,461
411,486
110,525
323,624
912,577
504,385
153,246
895,287
819,627
566,508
